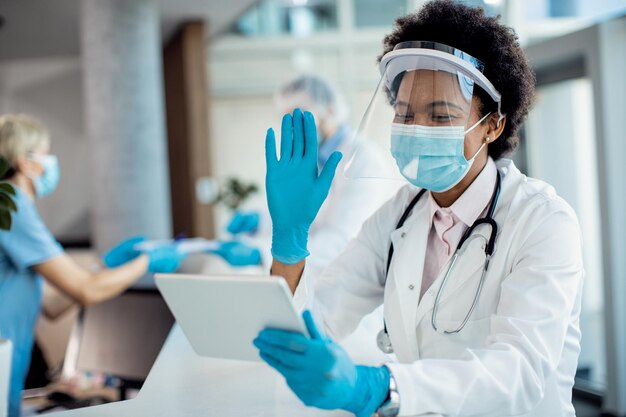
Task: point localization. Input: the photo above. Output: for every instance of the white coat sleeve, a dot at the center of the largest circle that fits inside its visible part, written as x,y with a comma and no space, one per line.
349,204
352,286
506,376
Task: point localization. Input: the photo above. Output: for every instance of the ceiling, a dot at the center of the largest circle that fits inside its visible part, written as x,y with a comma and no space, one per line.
44,28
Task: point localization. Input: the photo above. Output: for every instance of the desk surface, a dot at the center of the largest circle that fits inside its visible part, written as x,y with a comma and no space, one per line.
183,384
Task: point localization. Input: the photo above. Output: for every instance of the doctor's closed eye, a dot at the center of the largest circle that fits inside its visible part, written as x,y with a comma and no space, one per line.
435,112
445,111
402,110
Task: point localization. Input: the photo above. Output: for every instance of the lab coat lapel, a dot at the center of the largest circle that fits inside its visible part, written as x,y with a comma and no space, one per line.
472,260
404,282
469,263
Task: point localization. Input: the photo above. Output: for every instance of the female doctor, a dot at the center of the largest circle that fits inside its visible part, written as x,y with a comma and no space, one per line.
478,267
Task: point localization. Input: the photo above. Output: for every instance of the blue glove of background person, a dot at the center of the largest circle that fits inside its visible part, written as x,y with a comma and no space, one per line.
321,373
238,254
165,259
123,252
295,191
243,222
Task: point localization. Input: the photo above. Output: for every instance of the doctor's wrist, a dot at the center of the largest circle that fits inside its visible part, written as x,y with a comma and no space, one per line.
371,390
289,245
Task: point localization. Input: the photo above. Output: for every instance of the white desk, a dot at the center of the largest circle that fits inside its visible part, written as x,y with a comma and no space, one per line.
182,384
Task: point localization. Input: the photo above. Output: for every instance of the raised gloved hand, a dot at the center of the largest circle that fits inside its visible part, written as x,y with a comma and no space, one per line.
321,373
123,252
295,191
238,254
243,222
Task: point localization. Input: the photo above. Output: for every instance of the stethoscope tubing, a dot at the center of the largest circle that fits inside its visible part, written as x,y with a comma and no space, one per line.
489,249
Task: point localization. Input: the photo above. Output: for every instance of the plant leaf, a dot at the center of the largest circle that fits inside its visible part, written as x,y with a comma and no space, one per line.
7,202
4,167
7,188
5,220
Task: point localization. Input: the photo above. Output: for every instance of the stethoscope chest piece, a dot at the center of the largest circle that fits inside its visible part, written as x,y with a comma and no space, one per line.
384,342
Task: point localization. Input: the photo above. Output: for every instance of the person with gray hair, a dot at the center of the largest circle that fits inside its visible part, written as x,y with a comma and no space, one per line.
350,201
320,98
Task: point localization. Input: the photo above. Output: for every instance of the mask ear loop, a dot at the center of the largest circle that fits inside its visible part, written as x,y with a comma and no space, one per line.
476,124
471,160
485,142
500,118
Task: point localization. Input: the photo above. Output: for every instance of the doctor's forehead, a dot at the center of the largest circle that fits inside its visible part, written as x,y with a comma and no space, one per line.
423,87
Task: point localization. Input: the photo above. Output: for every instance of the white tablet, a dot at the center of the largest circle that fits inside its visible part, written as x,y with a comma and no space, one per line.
222,314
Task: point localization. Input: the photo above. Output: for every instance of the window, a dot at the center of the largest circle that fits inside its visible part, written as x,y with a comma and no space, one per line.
561,143
288,17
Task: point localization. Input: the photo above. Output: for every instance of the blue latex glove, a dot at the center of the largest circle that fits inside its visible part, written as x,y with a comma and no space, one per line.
243,222
238,254
321,373
123,252
165,259
162,259
295,191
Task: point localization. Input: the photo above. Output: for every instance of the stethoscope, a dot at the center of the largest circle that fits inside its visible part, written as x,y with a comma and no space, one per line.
383,340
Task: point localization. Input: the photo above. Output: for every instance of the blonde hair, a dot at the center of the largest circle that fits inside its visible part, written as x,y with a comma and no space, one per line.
19,135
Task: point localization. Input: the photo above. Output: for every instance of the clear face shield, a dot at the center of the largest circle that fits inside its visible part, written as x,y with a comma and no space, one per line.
425,91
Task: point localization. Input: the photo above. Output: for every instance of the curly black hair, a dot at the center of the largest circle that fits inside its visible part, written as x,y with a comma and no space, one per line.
485,38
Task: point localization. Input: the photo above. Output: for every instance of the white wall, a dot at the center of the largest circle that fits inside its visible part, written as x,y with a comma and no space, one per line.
51,90
238,126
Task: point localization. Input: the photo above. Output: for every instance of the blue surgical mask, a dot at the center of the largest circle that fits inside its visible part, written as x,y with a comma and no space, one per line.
46,183
432,157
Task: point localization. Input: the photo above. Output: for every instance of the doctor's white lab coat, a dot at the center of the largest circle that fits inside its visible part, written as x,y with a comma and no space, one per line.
518,353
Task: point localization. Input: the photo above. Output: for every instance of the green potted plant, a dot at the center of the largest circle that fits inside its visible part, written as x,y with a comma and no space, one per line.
235,192
7,192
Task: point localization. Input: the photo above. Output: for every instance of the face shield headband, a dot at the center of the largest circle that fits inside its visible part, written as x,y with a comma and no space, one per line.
424,55
423,85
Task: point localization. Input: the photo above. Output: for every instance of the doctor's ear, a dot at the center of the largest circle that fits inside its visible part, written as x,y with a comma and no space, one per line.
496,125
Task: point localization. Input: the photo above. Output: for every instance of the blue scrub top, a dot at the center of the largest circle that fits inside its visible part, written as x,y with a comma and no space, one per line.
28,243
331,144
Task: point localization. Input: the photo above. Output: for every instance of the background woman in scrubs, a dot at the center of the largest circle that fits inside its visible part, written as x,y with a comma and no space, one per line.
29,252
